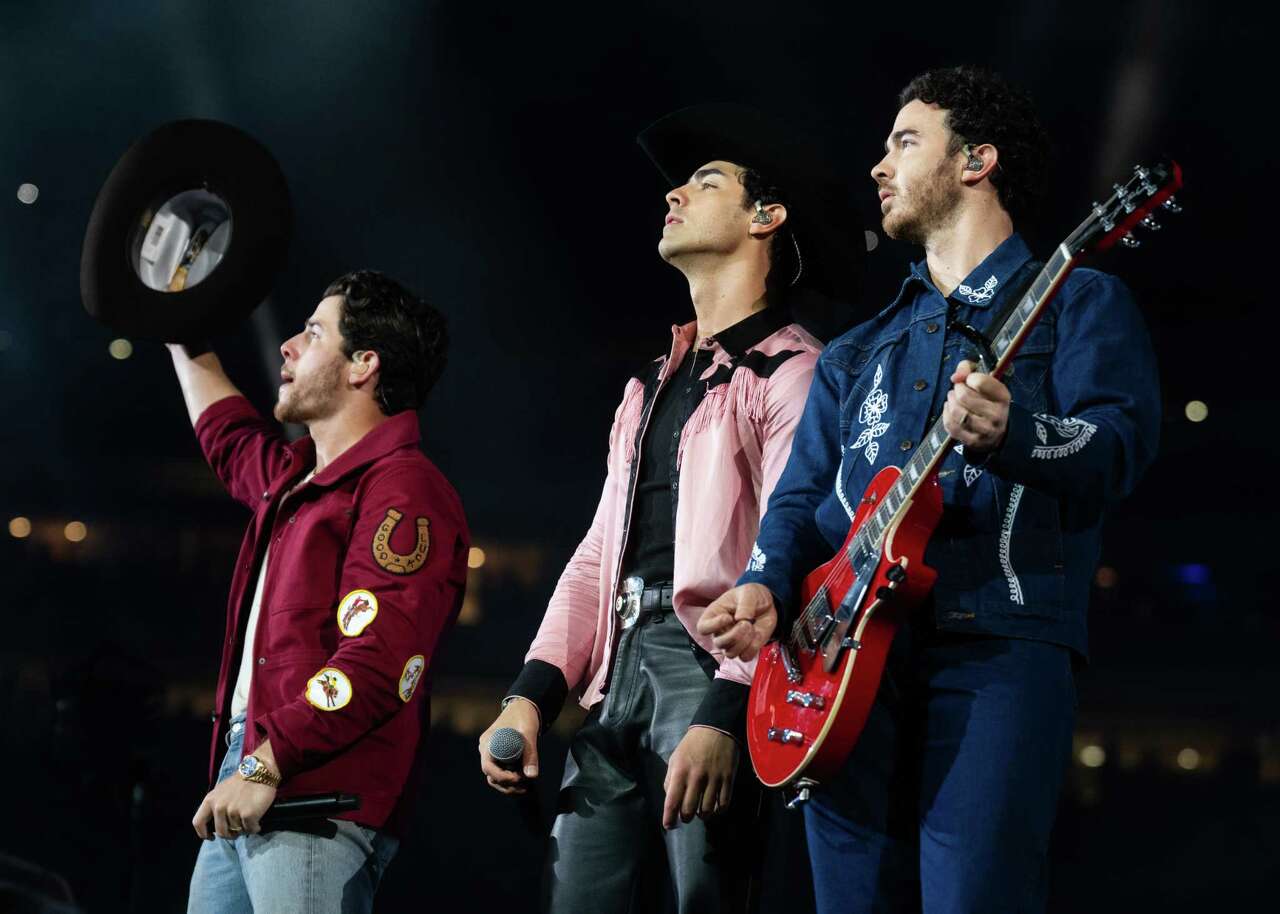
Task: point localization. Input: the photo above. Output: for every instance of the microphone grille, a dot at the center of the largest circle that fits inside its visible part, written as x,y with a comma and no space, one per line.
506,745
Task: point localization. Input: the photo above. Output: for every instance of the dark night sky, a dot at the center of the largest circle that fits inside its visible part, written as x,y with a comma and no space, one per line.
484,154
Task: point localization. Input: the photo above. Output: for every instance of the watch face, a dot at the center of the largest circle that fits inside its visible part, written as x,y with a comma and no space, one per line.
248,766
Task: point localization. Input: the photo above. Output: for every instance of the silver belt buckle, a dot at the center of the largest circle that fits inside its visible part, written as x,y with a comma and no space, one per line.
627,604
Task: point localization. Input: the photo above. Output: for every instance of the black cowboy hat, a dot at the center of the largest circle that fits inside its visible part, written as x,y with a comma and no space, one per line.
187,234
821,212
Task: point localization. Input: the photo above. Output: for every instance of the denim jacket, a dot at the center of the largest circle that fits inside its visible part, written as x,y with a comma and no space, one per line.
1020,533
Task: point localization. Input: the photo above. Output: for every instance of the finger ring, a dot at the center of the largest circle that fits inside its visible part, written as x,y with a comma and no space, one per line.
235,828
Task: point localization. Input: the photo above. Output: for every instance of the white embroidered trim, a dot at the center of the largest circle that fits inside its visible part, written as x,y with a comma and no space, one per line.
873,409
1074,432
758,558
840,489
1006,543
971,473
980,294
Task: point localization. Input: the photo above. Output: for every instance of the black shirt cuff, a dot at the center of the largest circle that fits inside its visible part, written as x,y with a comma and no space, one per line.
724,708
543,684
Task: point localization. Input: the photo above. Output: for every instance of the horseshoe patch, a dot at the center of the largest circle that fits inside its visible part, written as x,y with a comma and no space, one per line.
393,561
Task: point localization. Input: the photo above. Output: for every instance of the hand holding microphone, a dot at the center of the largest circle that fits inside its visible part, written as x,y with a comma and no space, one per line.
509,748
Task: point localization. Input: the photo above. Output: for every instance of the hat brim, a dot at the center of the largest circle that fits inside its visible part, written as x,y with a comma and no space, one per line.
181,156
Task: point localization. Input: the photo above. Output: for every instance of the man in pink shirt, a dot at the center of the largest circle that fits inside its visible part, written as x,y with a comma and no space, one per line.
698,442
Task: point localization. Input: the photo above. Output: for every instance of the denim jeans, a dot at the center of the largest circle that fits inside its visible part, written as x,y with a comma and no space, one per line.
286,872
946,802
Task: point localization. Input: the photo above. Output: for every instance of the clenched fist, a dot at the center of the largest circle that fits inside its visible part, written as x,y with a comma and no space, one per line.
741,620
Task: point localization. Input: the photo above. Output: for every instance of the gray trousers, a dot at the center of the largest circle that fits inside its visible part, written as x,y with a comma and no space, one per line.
608,851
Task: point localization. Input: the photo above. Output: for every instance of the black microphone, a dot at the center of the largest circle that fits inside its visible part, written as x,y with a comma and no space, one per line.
308,814
506,746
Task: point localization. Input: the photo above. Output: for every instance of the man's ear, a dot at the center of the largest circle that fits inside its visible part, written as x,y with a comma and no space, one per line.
364,367
979,162
766,219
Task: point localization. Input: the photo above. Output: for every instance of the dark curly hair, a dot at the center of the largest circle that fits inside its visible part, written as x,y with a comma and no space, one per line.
782,251
982,108
409,336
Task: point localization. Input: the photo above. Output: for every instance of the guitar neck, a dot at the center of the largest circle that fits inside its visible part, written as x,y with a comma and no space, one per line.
929,454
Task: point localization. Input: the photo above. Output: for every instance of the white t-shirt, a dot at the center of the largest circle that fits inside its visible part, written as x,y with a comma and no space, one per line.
240,697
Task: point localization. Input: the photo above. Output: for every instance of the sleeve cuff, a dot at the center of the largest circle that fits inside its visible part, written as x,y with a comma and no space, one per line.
724,708
1015,446
543,684
287,756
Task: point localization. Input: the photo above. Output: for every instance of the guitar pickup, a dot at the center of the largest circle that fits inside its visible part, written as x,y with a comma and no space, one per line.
806,699
779,735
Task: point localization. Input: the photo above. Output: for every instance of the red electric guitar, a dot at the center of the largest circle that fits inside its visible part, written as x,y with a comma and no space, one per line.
814,687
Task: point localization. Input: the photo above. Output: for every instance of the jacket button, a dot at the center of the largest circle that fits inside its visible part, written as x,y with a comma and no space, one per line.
920,384
261,661
293,518
905,445
266,495
930,328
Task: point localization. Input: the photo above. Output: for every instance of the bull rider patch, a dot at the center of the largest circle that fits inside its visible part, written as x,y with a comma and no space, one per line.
329,689
410,675
356,611
393,561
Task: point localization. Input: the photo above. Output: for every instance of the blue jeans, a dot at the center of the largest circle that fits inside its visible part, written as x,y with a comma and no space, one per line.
287,872
946,803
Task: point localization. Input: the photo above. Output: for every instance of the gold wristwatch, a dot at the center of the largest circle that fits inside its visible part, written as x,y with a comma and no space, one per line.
254,770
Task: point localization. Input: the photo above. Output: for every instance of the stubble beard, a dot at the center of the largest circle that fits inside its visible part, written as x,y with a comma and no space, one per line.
312,399
934,206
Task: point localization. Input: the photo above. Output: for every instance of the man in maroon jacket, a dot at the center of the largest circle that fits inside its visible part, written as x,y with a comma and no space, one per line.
352,569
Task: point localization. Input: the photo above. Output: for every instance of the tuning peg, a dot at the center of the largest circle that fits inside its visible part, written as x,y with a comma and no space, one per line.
1130,242
1150,223
1172,205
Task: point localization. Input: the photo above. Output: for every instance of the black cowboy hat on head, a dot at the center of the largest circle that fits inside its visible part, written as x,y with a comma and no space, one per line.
822,217
187,234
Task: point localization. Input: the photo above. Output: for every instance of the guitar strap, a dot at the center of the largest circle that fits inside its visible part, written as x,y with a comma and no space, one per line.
1013,293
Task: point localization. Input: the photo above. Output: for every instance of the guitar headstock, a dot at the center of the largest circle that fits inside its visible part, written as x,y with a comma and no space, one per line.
1130,205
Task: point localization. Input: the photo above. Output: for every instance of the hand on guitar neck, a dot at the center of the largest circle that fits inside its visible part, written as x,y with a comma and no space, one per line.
977,409
741,620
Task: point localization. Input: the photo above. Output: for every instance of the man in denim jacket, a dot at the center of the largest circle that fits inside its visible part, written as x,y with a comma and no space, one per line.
947,800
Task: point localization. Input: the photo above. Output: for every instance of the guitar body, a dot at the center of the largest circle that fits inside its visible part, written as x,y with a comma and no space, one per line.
840,700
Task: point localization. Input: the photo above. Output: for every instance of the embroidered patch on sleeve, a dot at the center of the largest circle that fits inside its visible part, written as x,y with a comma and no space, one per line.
758,558
393,561
329,689
1072,434
410,675
356,611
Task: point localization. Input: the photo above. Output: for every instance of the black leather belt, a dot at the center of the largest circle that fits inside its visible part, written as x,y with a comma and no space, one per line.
636,598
